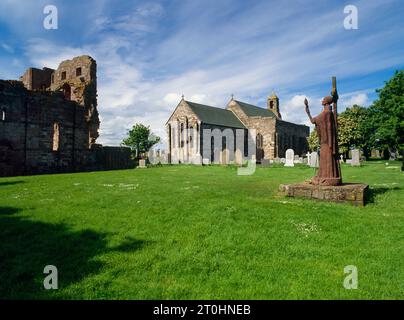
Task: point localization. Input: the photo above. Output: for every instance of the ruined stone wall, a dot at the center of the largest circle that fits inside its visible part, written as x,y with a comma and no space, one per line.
28,135
37,79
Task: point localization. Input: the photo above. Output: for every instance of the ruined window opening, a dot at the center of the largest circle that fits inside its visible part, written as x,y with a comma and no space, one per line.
53,78
78,72
224,144
67,91
55,144
3,115
64,75
271,104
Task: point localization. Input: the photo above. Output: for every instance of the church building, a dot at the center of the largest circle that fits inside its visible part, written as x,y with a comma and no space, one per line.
190,142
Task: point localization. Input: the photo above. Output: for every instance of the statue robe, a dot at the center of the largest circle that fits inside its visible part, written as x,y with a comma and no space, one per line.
329,172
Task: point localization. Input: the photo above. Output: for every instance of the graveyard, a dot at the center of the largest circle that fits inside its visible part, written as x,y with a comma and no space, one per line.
200,232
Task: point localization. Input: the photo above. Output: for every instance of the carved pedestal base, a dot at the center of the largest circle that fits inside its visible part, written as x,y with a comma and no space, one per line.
353,193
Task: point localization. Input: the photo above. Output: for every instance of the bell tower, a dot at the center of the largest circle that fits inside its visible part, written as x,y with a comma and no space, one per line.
273,104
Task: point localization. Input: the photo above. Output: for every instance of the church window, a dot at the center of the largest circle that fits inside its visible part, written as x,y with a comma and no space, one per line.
55,143
212,149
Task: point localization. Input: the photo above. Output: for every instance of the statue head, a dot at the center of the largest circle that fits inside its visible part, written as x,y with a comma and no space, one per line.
327,100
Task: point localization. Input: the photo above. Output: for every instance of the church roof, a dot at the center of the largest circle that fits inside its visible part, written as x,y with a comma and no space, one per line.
254,111
216,116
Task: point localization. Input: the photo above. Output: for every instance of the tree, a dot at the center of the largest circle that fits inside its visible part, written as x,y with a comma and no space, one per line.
140,139
352,130
387,115
313,141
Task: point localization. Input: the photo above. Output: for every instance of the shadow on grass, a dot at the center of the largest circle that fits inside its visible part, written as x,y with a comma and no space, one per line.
373,193
28,246
10,183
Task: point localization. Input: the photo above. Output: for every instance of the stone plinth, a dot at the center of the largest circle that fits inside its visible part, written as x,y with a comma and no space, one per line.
353,193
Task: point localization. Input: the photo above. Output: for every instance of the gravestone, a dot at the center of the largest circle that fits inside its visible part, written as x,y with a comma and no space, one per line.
283,160
224,157
197,159
289,158
341,158
265,162
308,154
314,160
355,158
277,160
238,158
142,164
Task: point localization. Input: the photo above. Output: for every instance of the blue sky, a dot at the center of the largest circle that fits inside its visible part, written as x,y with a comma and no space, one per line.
149,53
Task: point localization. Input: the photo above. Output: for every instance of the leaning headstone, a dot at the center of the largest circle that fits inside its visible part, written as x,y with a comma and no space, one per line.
393,156
355,158
142,164
314,160
289,158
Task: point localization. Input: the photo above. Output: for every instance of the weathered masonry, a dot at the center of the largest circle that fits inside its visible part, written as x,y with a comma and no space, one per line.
273,136
49,122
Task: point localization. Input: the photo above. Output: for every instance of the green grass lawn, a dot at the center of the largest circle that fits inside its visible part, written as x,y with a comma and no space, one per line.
186,232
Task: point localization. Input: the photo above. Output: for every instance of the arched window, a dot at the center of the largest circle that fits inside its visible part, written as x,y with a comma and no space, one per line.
55,142
260,141
3,115
212,149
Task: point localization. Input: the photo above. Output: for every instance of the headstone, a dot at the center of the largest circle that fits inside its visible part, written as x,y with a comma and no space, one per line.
265,162
197,159
205,161
305,160
238,158
308,154
393,156
277,160
355,158
224,157
142,164
289,158
283,160
341,157
314,160
296,157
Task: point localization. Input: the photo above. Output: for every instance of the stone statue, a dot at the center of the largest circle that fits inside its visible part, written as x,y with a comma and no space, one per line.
329,172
